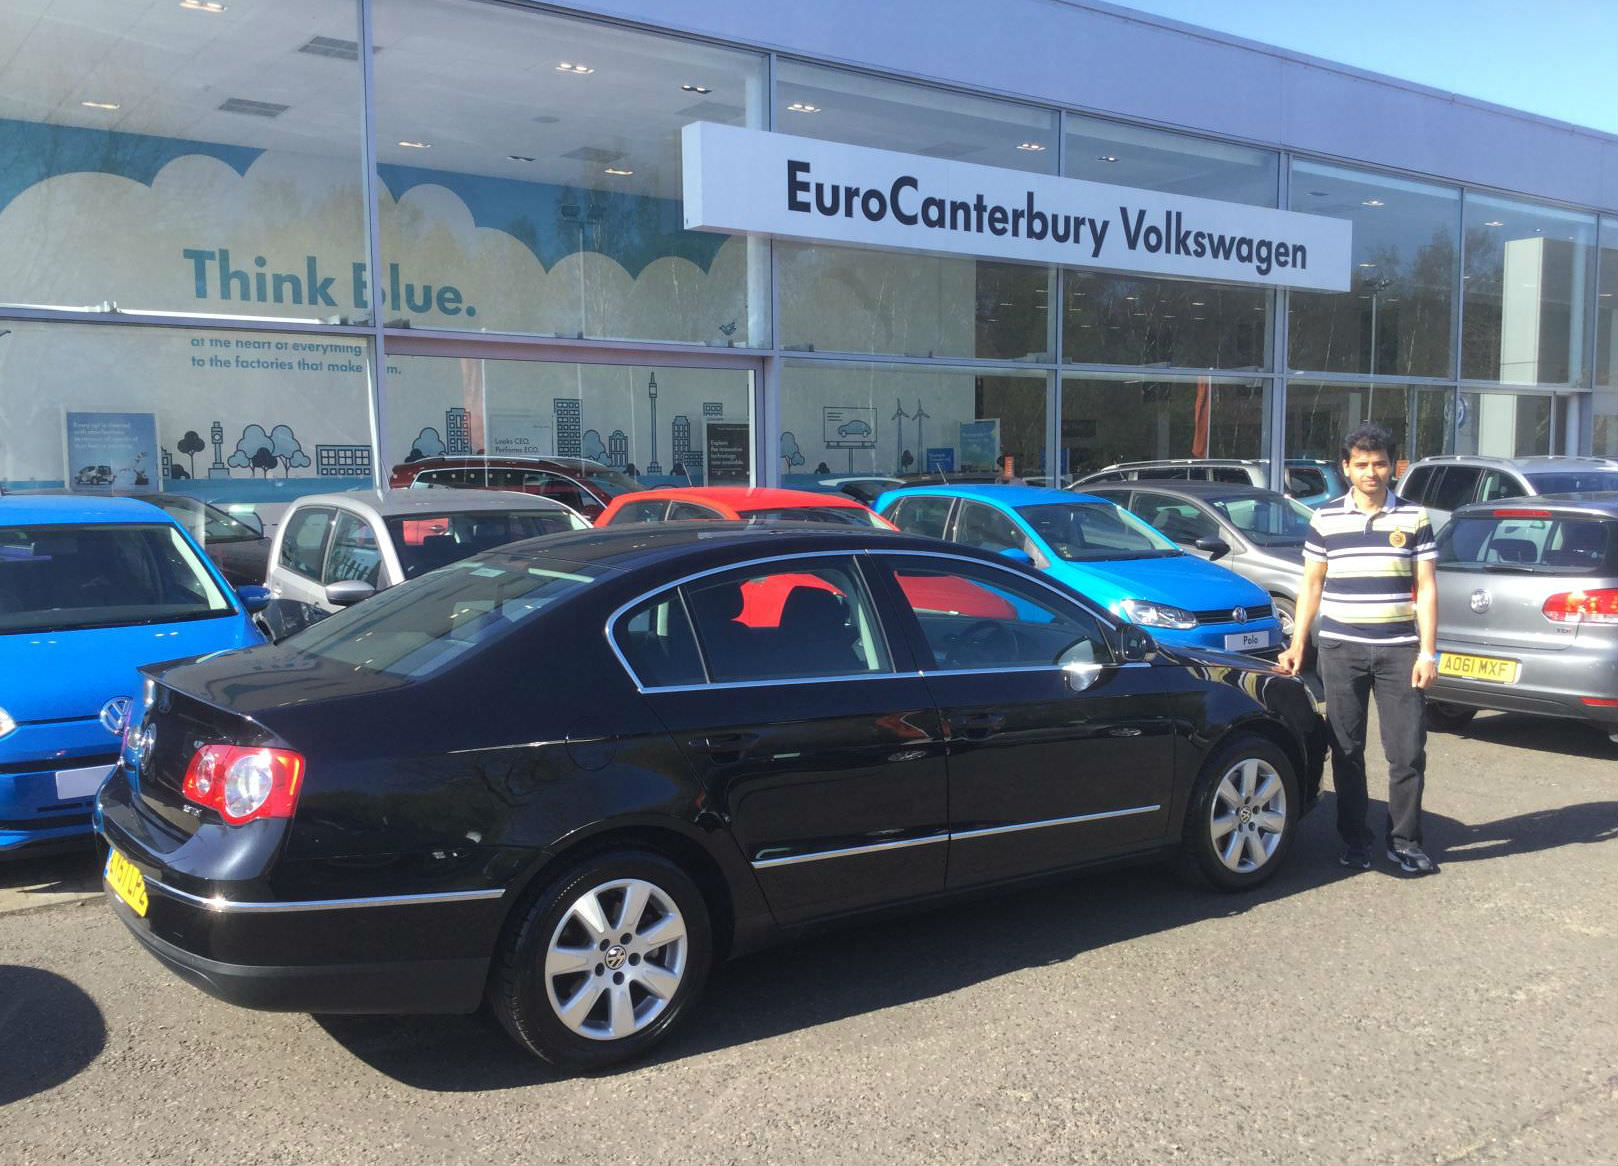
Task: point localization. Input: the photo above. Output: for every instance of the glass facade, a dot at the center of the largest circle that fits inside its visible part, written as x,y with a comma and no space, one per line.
191,262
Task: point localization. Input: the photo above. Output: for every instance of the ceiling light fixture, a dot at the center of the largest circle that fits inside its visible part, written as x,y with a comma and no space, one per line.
417,145
570,67
1367,265
518,158
1035,146
202,5
1494,223
1373,202
619,173
696,89
100,105
1106,157
803,107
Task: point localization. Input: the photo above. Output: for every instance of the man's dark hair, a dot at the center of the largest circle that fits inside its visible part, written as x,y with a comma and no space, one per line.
1370,438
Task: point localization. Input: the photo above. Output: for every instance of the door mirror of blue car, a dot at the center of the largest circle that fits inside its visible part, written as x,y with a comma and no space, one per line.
348,592
1135,644
254,599
1017,555
1216,547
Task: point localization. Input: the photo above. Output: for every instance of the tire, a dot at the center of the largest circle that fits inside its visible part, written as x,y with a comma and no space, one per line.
1242,816
568,987
1285,612
1448,718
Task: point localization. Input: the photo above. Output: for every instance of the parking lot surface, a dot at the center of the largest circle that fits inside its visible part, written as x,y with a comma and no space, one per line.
1334,1016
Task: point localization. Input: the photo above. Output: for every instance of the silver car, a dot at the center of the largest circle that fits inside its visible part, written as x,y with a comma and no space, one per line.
1446,482
1528,611
333,550
1256,533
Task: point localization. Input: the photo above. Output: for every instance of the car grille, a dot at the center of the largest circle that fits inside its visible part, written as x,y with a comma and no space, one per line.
1222,614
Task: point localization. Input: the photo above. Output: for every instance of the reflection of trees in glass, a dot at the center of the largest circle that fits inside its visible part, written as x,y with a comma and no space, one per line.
1012,311
1319,415
1019,403
1115,319
1130,420
1405,301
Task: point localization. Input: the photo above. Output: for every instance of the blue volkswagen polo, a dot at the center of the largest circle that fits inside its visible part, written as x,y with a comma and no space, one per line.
90,589
1103,552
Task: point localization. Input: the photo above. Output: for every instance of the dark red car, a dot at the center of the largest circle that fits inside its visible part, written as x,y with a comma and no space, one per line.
579,483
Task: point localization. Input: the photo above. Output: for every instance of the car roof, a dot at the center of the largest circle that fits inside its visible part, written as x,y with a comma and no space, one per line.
1537,463
1604,503
1183,461
44,510
1194,489
746,497
1005,497
479,460
393,503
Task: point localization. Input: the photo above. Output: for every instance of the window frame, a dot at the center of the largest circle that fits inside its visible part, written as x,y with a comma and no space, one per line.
288,530
360,521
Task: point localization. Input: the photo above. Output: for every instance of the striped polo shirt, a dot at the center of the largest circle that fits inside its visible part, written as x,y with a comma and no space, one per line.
1370,568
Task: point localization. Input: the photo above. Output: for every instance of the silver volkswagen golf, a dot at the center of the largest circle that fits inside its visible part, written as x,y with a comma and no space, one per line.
1528,611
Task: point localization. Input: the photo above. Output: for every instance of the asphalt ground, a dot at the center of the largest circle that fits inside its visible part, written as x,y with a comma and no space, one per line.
1333,1016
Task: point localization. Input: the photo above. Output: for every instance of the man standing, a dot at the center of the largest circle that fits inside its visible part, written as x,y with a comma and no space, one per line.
1368,571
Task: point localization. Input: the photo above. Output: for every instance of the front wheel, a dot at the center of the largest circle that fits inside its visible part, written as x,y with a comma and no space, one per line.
598,966
1243,814
1448,718
1286,614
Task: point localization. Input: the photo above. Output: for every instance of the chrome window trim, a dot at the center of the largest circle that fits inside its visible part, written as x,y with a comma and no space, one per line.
729,684
224,906
852,554
961,836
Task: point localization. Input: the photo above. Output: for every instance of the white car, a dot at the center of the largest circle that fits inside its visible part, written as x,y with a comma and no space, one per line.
333,550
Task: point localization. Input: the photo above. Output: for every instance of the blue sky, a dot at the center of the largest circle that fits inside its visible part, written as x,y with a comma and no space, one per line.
1558,58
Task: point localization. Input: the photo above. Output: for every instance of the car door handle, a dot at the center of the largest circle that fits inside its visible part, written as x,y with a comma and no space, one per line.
729,746
978,725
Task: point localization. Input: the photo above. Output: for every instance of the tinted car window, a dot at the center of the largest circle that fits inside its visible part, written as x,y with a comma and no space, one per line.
787,620
691,512
354,551
1165,473
1416,484
1512,544
651,510
1041,630
1176,518
1267,521
920,515
58,576
564,490
1454,488
303,546
425,542
1305,481
1575,481
656,640
1077,531
985,527
1235,475
420,627
836,515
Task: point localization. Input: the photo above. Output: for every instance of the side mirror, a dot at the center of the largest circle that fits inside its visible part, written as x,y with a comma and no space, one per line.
1135,644
254,599
1216,547
348,592
1017,555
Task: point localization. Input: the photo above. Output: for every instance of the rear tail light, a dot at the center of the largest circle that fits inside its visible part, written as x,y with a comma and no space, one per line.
1598,606
1522,513
1599,702
244,783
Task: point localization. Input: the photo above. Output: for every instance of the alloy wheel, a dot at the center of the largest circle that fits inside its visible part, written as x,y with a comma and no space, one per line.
616,959
1247,817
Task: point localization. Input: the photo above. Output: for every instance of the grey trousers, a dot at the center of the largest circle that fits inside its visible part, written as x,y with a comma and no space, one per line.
1350,673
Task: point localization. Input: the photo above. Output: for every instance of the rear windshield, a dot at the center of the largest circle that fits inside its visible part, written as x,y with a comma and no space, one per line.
1571,545
837,515
426,542
56,578
1081,531
1268,522
1575,481
419,627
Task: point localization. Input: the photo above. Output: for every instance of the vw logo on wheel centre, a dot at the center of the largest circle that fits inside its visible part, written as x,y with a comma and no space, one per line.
1480,601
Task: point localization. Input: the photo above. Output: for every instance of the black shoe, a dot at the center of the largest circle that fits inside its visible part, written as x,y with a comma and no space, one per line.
1355,856
1412,859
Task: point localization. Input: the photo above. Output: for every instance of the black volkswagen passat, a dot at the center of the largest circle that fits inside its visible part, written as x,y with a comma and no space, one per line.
567,775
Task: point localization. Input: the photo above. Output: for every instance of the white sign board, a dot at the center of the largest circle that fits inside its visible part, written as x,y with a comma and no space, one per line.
757,182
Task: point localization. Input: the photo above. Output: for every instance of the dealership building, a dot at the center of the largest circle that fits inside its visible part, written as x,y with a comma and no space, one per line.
253,249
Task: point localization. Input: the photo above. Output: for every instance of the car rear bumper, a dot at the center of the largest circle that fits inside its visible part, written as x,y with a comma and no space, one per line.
1552,684
425,952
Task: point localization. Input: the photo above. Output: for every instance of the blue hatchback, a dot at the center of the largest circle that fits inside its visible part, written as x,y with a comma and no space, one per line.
1103,552
90,589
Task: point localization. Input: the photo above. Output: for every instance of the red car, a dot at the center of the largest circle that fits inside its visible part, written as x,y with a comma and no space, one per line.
744,503
763,599
577,483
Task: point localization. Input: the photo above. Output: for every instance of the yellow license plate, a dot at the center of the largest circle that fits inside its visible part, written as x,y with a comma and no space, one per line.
1489,668
126,882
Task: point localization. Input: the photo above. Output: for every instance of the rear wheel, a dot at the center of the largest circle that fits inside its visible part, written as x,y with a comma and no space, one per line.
600,964
1243,814
1448,718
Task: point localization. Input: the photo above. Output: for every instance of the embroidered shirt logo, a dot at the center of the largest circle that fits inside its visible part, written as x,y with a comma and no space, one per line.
1396,539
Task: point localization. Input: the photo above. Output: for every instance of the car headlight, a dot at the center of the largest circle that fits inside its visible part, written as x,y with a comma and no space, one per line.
1157,615
6,723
